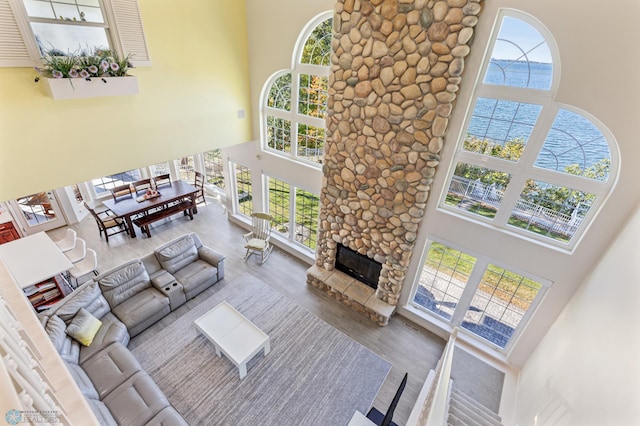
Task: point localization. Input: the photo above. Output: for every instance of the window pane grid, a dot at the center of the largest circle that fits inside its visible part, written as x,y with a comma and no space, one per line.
495,311
214,170
186,169
279,200
307,213
280,93
443,280
576,146
317,49
243,186
550,210
311,142
477,190
105,183
312,97
504,127
279,134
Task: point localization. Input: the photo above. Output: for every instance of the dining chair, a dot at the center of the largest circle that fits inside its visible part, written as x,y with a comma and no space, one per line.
142,185
199,183
68,242
121,191
85,267
258,239
77,253
386,419
108,223
162,180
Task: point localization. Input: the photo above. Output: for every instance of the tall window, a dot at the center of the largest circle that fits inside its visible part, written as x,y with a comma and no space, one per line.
105,183
213,166
242,180
487,300
294,212
527,164
186,168
295,101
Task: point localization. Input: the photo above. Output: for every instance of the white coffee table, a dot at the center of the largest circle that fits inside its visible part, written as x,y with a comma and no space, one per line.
233,335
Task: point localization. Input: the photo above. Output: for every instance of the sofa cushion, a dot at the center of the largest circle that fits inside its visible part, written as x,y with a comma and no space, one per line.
196,274
167,417
102,413
177,254
141,307
111,367
136,401
112,330
89,297
84,327
124,282
83,381
70,350
56,330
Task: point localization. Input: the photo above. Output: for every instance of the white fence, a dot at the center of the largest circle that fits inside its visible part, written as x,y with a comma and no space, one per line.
534,214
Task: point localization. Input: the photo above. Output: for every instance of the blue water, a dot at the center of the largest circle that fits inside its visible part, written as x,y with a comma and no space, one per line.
572,139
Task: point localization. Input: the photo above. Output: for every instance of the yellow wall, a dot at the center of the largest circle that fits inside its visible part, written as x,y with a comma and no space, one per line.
188,102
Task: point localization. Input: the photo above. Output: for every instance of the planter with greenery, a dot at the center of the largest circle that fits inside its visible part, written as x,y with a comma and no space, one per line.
73,76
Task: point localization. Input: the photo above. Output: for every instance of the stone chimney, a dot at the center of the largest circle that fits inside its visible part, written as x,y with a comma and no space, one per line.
395,70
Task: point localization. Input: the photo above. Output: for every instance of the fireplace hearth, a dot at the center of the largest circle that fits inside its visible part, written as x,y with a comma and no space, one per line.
358,266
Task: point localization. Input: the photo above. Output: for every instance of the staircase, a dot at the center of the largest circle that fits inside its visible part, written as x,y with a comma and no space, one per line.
465,411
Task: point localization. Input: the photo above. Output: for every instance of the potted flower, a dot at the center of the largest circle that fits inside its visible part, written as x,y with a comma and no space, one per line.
70,75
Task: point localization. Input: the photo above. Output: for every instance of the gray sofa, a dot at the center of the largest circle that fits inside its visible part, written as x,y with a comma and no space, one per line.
127,299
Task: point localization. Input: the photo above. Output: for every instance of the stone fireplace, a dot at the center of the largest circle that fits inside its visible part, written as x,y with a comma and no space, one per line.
395,70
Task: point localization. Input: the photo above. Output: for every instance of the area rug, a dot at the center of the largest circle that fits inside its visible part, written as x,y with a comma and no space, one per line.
314,374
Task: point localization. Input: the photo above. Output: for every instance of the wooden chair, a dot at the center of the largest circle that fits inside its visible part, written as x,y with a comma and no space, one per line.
258,239
162,180
199,183
142,185
107,223
121,191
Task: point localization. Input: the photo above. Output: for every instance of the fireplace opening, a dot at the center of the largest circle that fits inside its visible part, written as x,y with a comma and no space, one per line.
358,266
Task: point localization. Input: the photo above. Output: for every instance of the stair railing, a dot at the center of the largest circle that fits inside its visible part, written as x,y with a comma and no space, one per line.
435,394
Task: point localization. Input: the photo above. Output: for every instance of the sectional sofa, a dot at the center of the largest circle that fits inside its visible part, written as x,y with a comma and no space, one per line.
91,327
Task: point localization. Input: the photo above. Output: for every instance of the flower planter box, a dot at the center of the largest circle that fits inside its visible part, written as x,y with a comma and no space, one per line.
77,88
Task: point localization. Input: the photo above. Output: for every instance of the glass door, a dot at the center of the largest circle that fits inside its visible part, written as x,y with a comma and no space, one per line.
38,212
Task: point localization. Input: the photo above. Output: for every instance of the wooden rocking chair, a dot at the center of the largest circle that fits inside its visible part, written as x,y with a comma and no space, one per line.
258,238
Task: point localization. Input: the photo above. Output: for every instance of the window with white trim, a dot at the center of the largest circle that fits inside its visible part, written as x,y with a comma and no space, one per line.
213,168
527,164
32,27
243,192
295,101
103,185
186,168
290,205
489,301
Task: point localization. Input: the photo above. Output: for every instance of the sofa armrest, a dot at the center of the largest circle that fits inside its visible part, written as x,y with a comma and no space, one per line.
214,258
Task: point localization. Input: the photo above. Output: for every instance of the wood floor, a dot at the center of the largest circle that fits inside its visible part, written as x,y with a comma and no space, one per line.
406,346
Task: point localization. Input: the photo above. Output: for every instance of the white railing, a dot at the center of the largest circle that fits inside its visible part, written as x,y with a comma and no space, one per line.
532,213
432,405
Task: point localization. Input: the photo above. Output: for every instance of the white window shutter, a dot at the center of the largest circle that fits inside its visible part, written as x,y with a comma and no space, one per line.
130,32
13,50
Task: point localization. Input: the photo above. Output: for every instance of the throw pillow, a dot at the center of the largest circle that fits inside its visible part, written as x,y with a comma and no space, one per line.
84,327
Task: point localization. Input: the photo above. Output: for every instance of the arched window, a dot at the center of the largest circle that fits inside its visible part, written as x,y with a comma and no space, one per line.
526,164
294,103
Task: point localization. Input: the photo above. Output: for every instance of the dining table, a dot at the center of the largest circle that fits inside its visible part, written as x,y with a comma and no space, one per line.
130,207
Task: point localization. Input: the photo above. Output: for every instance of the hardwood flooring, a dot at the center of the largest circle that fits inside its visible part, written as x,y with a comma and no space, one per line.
406,346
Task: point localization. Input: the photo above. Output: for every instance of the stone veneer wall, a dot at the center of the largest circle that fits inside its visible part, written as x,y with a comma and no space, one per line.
395,70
